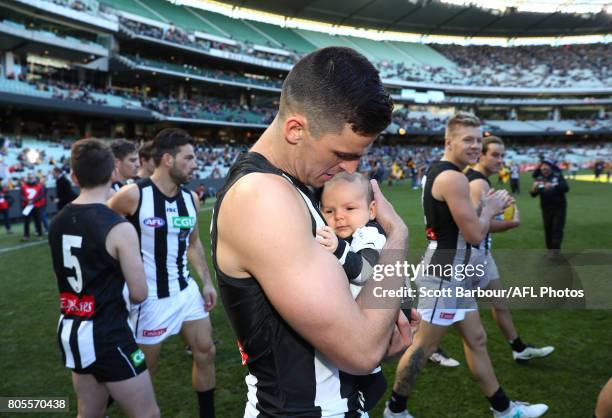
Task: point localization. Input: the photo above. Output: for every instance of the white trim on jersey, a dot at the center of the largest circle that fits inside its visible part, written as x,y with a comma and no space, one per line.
84,341
327,395
147,243
65,340
127,360
250,411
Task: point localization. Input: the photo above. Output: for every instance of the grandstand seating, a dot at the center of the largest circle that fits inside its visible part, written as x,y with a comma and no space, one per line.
212,75
287,38
404,61
132,6
210,160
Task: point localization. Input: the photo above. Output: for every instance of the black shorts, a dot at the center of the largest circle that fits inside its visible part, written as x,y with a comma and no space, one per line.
116,363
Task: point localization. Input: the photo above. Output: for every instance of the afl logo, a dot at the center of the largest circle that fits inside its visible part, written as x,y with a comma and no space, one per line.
154,222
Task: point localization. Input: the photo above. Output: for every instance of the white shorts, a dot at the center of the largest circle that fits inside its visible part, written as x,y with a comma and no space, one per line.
154,320
443,317
491,272
444,310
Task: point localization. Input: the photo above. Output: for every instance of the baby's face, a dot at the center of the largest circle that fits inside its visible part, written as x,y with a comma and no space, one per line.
345,207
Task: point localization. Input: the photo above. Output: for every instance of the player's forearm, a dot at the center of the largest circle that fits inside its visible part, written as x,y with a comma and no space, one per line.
196,257
380,299
501,226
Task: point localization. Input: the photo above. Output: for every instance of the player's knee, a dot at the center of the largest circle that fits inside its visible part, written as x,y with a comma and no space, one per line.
478,341
204,353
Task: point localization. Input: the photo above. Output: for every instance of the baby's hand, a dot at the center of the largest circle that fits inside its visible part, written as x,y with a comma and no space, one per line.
327,238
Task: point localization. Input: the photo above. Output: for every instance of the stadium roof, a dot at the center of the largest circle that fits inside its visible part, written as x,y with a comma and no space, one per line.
462,18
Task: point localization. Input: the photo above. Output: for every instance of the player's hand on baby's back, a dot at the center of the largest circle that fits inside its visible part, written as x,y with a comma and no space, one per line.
386,215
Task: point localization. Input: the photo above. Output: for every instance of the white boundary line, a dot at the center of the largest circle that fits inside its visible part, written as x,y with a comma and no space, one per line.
44,241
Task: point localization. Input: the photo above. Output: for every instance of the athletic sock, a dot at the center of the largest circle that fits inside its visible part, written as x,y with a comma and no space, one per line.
206,400
499,401
517,345
397,403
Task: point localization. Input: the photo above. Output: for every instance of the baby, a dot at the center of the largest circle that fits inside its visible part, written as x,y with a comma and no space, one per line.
352,234
356,239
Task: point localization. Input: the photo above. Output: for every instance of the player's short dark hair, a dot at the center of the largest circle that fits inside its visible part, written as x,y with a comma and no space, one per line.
490,140
92,162
334,86
168,141
122,148
145,152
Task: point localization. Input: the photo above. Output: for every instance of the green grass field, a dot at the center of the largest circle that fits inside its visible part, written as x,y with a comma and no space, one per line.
568,381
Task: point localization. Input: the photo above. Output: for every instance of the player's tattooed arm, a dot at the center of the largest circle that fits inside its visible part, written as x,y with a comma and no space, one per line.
406,376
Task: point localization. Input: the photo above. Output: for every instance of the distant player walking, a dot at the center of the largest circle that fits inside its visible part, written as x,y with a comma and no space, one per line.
165,215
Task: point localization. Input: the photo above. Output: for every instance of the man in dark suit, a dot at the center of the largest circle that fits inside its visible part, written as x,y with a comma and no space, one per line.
551,186
63,189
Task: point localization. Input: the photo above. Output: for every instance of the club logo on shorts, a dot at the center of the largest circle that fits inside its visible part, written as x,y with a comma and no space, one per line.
183,222
137,357
154,222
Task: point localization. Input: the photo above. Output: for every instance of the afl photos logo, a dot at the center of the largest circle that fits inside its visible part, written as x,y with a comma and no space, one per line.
154,222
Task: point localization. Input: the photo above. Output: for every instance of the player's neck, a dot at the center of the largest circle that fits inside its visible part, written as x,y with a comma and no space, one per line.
481,169
94,195
164,183
450,158
270,146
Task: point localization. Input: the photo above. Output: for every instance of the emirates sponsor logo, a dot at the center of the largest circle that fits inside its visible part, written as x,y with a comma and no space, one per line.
447,315
153,332
71,304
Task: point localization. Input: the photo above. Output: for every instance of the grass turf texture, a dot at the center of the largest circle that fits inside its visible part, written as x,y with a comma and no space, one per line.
568,381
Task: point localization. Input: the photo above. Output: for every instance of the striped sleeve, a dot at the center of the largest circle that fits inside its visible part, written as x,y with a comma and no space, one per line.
358,258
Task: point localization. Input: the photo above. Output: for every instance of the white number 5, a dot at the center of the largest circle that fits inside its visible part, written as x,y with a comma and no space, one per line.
70,261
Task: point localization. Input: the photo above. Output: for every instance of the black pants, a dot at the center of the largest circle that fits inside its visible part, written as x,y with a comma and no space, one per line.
554,223
5,218
515,185
35,214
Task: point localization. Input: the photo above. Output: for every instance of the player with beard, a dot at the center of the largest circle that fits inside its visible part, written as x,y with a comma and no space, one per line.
453,226
165,213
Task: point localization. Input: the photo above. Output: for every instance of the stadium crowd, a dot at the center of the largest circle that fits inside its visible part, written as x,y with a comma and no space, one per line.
482,65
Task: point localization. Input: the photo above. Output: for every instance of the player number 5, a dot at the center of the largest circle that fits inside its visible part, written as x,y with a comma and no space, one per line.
70,261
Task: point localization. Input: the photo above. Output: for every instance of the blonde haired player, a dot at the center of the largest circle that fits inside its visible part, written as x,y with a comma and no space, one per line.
453,226
490,161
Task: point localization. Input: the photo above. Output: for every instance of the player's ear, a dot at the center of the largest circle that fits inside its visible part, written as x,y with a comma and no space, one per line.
167,160
372,210
75,181
294,128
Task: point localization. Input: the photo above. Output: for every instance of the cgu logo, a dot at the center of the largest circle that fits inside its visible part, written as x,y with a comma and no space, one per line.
154,222
183,222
